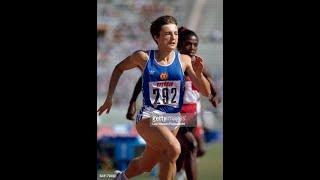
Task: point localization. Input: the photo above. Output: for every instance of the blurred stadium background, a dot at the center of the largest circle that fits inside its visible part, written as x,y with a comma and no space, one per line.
123,26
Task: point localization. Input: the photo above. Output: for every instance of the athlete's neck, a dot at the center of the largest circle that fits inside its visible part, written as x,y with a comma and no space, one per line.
164,56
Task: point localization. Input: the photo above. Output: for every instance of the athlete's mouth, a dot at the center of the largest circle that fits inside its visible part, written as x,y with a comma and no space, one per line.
191,53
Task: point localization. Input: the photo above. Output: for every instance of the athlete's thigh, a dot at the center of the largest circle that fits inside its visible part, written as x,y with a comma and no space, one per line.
158,137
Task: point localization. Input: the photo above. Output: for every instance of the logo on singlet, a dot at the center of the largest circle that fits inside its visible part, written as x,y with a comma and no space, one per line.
152,71
164,76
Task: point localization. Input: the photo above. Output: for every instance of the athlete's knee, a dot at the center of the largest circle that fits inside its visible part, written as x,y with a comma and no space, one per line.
192,145
173,151
191,142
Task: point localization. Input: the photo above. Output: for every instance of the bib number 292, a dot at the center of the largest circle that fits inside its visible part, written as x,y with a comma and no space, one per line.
164,93
165,96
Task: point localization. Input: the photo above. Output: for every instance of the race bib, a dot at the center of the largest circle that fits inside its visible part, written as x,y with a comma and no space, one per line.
164,93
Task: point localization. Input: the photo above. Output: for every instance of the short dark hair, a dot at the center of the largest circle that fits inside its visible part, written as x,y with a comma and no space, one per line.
184,34
156,25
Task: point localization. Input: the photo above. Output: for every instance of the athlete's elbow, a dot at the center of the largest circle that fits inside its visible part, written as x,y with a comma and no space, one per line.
207,92
118,69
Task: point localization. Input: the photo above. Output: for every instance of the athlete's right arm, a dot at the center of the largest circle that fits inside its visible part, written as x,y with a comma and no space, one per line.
137,59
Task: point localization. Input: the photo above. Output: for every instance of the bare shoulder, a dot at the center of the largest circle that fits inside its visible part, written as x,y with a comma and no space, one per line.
140,57
140,54
185,60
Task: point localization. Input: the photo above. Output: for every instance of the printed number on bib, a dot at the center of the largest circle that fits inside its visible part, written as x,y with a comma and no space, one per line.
164,93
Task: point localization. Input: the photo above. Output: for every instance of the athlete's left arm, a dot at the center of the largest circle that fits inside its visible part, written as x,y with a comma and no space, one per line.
196,75
214,98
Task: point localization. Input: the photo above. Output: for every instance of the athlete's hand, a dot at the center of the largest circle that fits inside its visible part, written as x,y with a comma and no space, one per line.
215,100
131,111
106,106
198,65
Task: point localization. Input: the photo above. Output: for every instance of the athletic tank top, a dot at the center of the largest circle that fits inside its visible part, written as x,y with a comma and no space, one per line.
191,93
163,85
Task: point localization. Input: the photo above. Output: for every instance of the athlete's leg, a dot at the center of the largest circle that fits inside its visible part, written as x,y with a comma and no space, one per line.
161,144
198,134
167,170
143,163
191,145
182,141
190,161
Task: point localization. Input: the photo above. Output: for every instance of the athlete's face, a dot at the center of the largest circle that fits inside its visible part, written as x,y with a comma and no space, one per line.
190,46
168,37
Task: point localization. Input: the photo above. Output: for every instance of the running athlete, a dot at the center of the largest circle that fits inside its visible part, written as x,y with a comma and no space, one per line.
163,91
191,135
